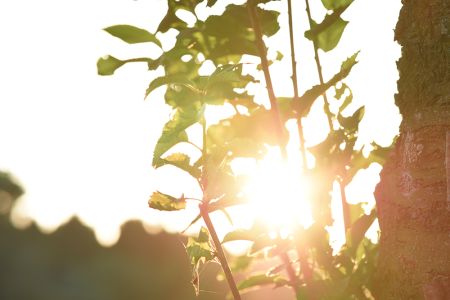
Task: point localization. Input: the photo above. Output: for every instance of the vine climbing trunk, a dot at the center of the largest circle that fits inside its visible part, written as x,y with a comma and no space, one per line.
412,197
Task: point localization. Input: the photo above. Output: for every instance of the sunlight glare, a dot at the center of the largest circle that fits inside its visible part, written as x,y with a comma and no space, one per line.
277,191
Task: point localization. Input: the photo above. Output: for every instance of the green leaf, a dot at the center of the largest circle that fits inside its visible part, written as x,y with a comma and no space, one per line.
170,20
181,161
226,73
107,65
203,235
239,234
173,131
161,201
210,3
175,80
304,103
348,64
334,4
257,280
327,34
241,263
346,102
132,35
351,123
340,91
199,248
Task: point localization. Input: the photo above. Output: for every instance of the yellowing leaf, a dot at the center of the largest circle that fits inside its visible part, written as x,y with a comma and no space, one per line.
161,201
181,161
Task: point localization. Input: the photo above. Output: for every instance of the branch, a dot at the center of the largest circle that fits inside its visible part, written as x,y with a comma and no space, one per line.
265,67
295,85
220,253
319,69
291,273
345,206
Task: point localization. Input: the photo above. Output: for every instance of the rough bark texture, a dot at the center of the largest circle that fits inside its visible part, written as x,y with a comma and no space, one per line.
412,197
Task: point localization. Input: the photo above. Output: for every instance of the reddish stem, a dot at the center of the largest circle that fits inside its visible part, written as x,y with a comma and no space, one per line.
219,250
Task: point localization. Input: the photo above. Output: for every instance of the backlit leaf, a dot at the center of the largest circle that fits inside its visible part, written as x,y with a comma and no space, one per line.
257,280
181,161
161,201
173,80
327,34
334,4
132,35
210,3
109,64
173,131
239,234
351,123
199,248
304,103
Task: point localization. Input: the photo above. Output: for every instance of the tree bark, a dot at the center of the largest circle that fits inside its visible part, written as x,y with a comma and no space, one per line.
413,199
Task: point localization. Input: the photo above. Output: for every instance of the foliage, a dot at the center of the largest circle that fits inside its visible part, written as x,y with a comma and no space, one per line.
224,39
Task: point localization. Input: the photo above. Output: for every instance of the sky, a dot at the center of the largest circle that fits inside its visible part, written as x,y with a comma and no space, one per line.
82,144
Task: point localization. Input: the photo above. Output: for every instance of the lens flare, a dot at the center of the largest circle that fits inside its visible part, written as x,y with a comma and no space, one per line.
278,192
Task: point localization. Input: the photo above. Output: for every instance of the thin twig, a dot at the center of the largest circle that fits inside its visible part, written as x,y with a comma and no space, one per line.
319,68
345,206
293,278
295,85
290,272
301,253
219,250
265,67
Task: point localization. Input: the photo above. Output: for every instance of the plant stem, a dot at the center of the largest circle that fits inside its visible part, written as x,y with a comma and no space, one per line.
290,272
276,118
295,85
345,207
265,67
220,253
319,68
305,268
302,257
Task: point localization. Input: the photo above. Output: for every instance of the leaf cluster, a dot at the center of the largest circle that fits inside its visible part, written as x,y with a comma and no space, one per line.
223,40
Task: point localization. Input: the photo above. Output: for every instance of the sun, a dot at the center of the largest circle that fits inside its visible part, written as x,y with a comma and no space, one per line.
277,190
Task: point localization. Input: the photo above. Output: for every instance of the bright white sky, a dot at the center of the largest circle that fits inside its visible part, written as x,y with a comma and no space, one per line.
82,144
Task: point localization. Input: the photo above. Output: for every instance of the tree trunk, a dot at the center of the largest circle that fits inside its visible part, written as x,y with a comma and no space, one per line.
413,196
